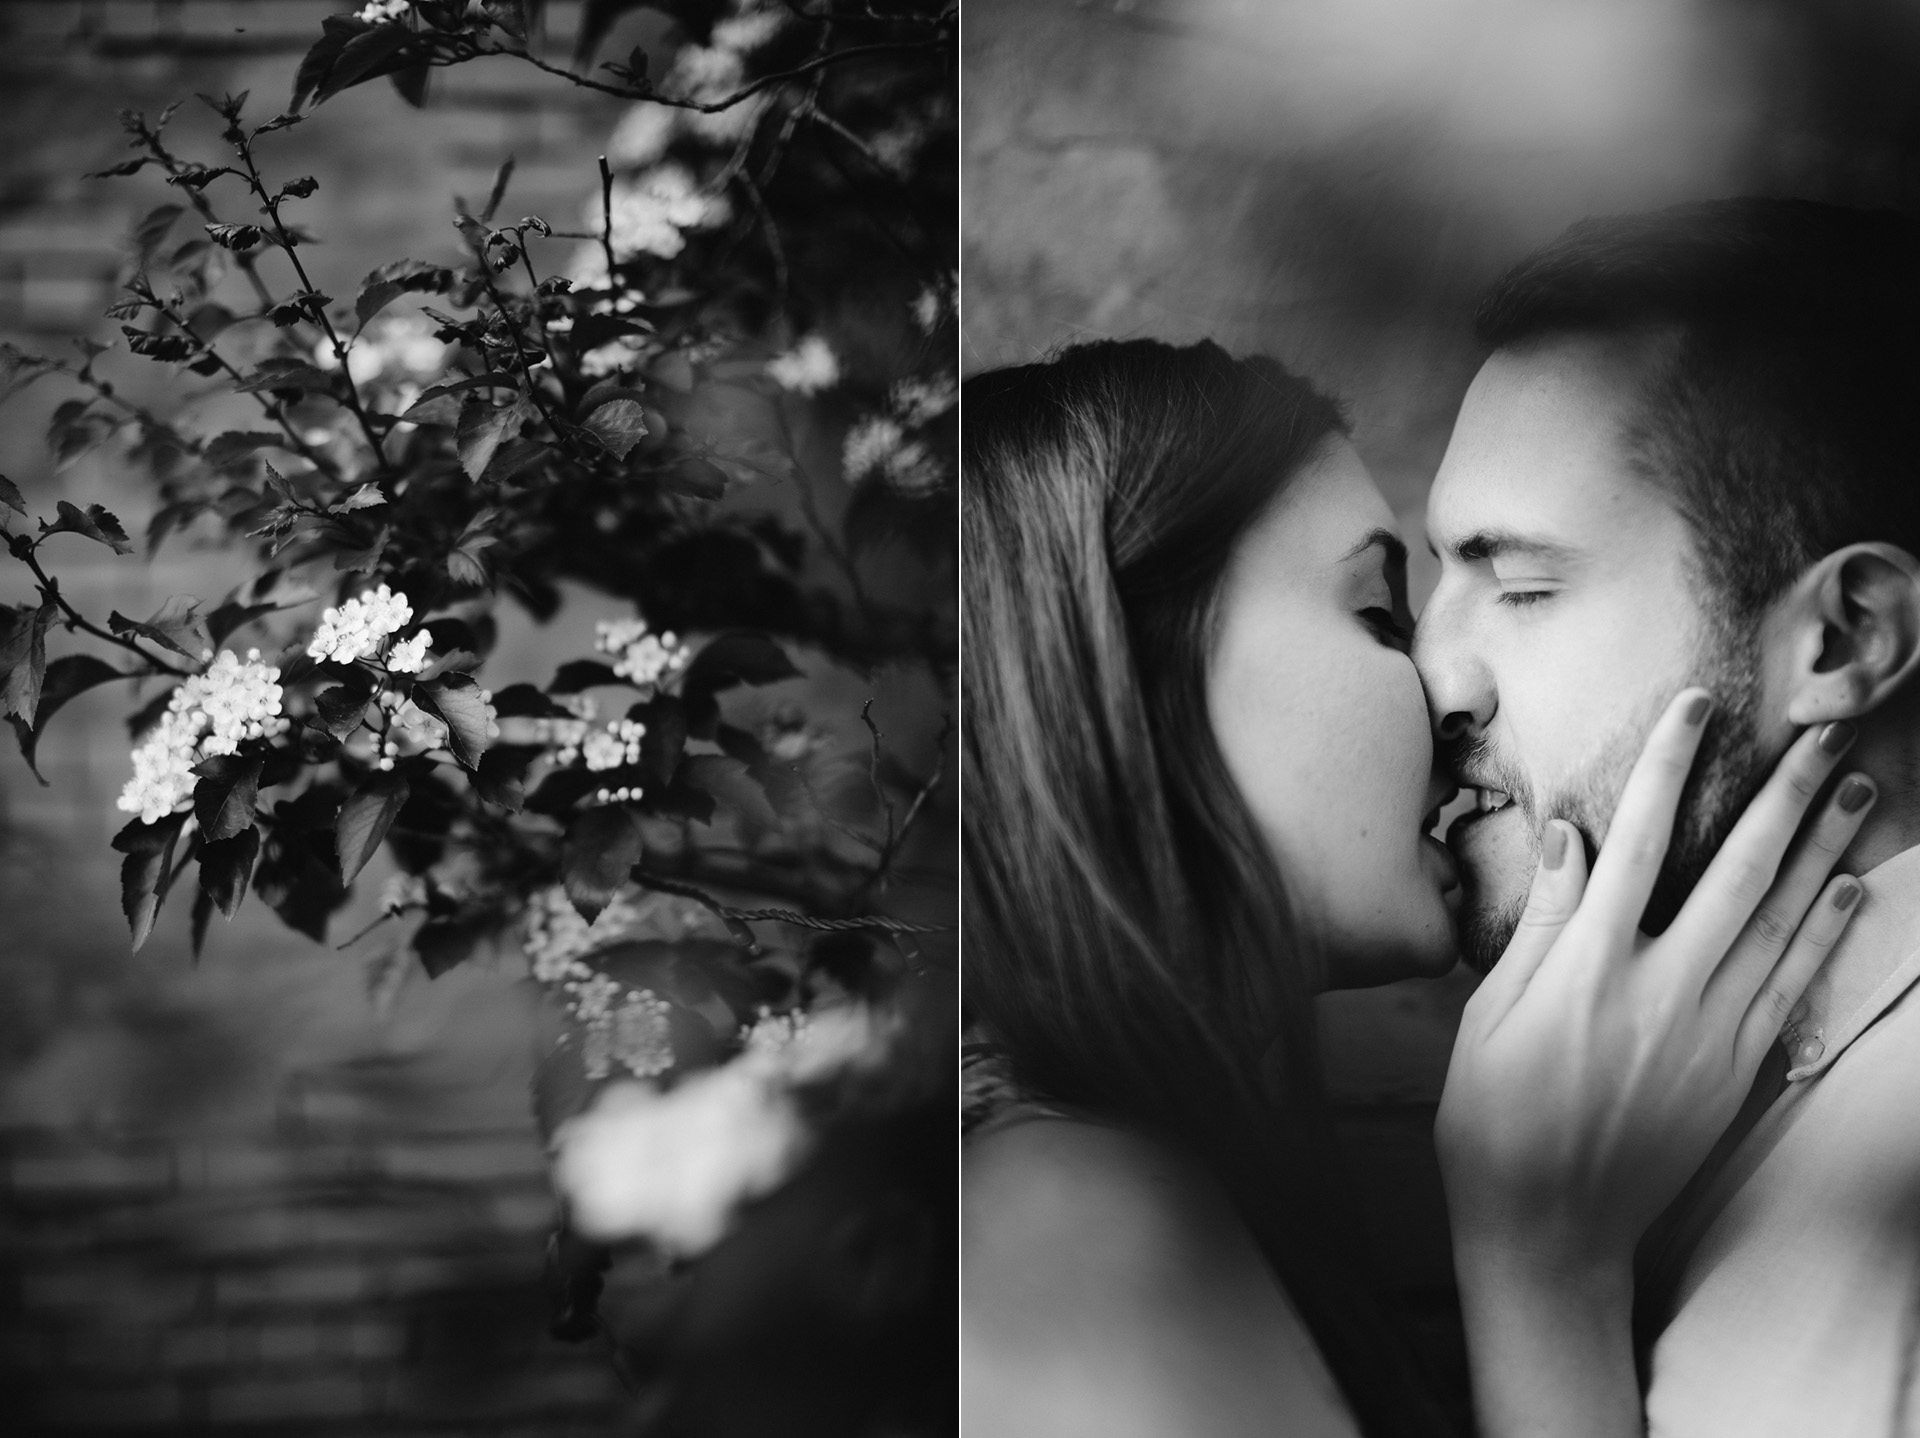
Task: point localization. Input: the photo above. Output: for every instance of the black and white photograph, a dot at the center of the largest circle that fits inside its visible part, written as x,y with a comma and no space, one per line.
1440,563
478,619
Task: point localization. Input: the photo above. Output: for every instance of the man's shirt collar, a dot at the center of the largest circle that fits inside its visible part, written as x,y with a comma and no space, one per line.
1875,962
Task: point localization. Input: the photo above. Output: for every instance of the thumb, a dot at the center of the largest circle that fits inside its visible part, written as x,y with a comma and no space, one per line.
1558,884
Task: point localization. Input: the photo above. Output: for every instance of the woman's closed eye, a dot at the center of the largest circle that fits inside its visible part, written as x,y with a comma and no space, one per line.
1388,626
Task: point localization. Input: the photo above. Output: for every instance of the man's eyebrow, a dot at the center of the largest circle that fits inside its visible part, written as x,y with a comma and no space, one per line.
1494,543
1385,539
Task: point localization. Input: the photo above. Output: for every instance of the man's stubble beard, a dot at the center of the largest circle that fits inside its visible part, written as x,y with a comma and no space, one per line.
1727,772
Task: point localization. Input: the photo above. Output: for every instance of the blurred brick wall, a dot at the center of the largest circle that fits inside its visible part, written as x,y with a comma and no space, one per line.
232,1197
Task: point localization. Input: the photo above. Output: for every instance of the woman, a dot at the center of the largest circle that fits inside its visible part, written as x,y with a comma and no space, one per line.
1198,788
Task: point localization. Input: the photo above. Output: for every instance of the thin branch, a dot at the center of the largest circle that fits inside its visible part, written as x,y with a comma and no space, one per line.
714,107
50,587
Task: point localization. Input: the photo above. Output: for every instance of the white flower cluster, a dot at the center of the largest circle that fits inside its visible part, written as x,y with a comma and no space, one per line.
705,73
398,349
211,713
379,11
673,1165
935,303
410,730
616,745
359,627
409,656
809,367
881,445
635,1033
652,213
921,401
642,657
557,936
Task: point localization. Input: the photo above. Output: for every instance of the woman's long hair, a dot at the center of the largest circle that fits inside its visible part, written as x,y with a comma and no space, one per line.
1128,938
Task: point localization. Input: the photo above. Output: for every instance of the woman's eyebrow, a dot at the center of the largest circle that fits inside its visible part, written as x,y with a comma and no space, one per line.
1387,540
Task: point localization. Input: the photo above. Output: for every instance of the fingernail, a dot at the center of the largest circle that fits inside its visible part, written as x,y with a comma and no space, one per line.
1553,848
1697,708
1837,737
1854,794
1844,896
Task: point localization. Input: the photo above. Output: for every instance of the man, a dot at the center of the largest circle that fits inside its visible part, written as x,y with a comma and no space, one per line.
1692,457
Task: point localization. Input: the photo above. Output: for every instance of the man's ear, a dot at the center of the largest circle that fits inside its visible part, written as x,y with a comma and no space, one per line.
1853,627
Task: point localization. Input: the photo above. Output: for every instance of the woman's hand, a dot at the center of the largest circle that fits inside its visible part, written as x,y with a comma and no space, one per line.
1595,1067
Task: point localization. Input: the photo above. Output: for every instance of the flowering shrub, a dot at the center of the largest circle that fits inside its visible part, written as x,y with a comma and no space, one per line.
698,833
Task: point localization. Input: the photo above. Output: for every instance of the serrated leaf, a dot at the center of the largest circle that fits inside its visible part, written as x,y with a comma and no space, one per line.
300,188
225,867
364,821
64,678
483,427
455,699
95,522
236,237
23,648
176,625
738,659
619,424
603,844
224,799
146,871
341,708
501,778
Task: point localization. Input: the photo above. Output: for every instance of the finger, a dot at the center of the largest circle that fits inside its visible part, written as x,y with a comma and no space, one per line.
1636,842
1815,940
1742,875
1795,890
1558,884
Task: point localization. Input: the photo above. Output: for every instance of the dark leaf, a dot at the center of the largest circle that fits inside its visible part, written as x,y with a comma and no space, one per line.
65,678
675,371
696,477
619,424
365,819
236,237
176,625
145,872
224,799
603,845
23,658
209,322
229,617
562,789
483,426
163,349
288,375
518,457
148,714
151,230
501,777
665,740
578,674
389,282
411,82
202,916
225,867
498,193
125,167
728,781
279,122
301,188
456,699
342,708
95,523
589,332
738,659
197,177
526,701
596,18
365,56
444,944
508,15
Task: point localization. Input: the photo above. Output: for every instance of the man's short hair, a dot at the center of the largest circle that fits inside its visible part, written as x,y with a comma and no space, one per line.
1781,410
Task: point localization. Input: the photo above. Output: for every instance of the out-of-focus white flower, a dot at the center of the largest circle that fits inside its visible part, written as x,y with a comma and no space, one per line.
403,892
379,11
398,349
807,368
920,401
634,1033
868,446
613,746
642,136
588,268
800,1048
357,628
934,304
673,1166
642,657
209,714
653,212
612,357
409,656
556,936
747,32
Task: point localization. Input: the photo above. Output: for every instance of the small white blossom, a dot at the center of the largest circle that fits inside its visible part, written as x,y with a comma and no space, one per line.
409,656
673,1166
396,349
642,136
743,33
379,11
652,213
868,446
934,304
807,368
615,745
642,657
920,401
635,1033
209,714
357,628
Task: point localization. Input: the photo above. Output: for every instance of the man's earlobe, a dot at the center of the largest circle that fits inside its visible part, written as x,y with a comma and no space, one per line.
1855,616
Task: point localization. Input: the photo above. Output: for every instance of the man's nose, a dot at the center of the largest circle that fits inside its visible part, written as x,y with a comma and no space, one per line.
1461,695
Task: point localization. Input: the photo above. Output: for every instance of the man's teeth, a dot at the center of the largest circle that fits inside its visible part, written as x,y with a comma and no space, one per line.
1493,799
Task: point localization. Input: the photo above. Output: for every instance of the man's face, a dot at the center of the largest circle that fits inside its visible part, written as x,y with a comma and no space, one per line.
1568,613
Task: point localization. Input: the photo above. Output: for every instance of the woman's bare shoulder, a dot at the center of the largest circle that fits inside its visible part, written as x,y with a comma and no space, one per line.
1109,1286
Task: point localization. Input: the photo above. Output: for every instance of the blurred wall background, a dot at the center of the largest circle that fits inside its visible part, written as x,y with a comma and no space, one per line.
1334,184
269,1192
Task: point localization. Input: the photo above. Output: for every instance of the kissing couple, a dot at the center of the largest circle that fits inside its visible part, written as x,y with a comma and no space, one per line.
1673,646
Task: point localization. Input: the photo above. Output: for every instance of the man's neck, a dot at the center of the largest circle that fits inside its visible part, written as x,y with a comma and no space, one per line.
1888,750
